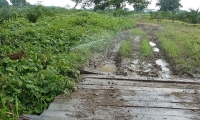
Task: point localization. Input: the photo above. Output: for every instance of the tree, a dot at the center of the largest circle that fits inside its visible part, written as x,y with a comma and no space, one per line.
168,5
3,3
140,5
119,4
18,2
77,2
193,16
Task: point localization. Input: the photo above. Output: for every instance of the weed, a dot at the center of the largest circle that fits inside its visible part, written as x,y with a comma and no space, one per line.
146,48
137,32
125,49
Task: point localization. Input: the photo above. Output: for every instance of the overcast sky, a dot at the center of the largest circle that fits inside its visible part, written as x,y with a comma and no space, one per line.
62,3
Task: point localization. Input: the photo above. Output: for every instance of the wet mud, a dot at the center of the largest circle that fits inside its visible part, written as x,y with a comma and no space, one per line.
137,65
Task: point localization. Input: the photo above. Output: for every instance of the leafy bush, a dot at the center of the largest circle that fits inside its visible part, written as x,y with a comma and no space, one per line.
193,16
38,64
34,13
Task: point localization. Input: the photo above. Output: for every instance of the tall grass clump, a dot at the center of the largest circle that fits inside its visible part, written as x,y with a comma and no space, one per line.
146,48
138,32
125,49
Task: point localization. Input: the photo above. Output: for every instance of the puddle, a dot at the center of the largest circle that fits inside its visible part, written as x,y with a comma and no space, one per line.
152,44
135,62
156,50
109,68
164,66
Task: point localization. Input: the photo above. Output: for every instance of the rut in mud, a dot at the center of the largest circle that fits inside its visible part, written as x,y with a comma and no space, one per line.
136,88
137,65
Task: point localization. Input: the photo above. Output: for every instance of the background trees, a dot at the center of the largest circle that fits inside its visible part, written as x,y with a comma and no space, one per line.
3,3
168,5
18,2
140,5
77,2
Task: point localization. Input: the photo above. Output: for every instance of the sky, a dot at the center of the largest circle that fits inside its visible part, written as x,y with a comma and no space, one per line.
195,4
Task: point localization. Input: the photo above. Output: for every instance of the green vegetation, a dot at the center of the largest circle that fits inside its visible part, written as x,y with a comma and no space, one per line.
39,60
125,49
138,32
146,48
181,45
192,16
169,5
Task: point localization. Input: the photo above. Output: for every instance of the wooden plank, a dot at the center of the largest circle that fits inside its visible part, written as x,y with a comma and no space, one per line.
129,95
58,115
149,89
111,112
70,106
101,92
144,79
149,111
106,82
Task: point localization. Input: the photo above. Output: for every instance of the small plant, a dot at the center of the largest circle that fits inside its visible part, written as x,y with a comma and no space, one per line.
146,48
137,32
125,49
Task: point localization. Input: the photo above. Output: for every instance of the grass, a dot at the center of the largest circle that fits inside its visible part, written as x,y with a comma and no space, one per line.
146,48
138,32
181,44
125,49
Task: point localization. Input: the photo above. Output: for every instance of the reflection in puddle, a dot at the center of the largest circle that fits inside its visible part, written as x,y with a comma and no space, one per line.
152,44
156,50
164,66
135,62
109,68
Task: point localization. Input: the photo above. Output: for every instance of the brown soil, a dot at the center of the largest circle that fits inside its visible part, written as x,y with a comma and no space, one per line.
137,65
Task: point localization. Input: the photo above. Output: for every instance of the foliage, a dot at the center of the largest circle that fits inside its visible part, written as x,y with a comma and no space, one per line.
3,3
140,5
126,48
33,14
138,32
120,4
77,2
193,16
38,64
146,48
18,2
181,46
168,5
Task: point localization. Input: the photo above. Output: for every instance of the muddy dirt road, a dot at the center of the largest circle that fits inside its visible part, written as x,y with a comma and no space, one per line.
136,88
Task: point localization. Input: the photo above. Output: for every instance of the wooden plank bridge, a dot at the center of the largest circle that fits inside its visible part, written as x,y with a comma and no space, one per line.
112,97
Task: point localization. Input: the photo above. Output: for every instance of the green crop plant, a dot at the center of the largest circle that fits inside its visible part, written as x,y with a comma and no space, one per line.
125,49
146,48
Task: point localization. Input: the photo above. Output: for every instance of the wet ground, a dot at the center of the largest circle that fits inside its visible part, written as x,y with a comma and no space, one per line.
138,65
136,88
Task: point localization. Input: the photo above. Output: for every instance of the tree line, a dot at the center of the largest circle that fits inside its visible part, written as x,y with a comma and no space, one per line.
14,2
138,5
